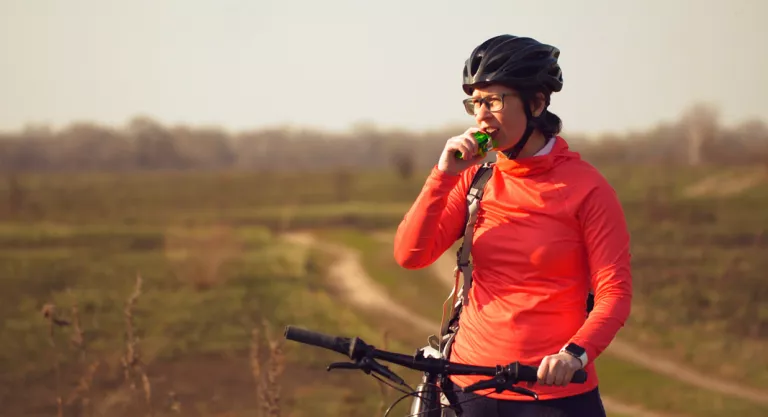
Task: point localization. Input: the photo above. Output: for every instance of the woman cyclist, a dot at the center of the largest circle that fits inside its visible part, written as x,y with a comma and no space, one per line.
549,230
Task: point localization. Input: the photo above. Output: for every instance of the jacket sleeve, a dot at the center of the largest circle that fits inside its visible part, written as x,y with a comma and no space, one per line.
434,221
608,249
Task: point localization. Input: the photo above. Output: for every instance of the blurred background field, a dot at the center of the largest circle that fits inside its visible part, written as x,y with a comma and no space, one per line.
206,244
157,161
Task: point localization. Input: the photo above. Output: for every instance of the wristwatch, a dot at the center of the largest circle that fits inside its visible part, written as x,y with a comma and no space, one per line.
577,352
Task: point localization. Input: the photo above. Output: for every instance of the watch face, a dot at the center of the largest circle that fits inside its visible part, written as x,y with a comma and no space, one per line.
576,349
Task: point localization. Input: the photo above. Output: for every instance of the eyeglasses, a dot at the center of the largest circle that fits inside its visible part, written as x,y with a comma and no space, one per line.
493,102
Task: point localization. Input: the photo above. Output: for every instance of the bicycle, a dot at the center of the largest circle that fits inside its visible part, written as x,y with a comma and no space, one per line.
427,400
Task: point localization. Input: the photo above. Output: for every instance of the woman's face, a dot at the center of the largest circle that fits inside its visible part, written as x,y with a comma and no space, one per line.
501,114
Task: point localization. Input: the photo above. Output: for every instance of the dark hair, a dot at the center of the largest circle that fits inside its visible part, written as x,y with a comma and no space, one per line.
548,123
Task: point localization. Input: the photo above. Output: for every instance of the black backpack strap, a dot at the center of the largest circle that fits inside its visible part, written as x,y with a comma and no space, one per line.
474,195
463,267
458,296
476,191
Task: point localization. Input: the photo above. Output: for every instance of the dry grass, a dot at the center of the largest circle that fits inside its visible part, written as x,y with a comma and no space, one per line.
267,359
198,254
50,314
77,341
267,375
83,390
133,367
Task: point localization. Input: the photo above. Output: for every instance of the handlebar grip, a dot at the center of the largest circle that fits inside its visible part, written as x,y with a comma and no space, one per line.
579,377
309,337
527,373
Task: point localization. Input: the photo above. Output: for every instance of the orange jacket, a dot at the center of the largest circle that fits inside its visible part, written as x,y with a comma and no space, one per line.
549,228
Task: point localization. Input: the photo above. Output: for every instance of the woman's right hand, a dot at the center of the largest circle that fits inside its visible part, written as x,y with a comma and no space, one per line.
467,145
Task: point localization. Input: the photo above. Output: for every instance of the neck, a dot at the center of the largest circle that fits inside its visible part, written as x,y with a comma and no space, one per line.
535,143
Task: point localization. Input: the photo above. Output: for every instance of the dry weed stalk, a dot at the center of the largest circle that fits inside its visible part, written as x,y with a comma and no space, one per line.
132,364
267,384
83,390
255,358
147,390
131,358
49,312
274,371
77,340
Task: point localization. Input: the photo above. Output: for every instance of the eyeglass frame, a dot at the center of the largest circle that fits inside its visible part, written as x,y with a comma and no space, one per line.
484,102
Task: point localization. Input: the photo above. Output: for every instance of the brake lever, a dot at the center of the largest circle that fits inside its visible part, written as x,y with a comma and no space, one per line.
384,371
524,391
500,383
494,382
368,365
343,365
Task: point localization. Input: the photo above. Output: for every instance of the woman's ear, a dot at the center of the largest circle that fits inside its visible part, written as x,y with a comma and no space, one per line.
538,105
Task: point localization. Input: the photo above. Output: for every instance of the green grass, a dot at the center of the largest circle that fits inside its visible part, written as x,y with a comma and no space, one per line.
698,264
636,385
181,327
162,198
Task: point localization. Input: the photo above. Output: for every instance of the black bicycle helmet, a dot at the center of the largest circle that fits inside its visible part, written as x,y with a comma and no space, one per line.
518,62
522,63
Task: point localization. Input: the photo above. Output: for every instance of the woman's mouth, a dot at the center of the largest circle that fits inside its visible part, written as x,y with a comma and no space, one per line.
491,131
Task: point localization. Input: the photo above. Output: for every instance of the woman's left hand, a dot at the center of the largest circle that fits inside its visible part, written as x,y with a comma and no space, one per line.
558,369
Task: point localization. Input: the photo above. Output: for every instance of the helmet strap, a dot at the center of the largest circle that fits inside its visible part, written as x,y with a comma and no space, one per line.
530,126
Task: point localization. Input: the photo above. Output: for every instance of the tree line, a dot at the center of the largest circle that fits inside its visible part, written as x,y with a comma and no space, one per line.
144,144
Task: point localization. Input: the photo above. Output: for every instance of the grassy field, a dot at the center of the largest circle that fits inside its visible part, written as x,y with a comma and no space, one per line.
698,266
194,329
83,238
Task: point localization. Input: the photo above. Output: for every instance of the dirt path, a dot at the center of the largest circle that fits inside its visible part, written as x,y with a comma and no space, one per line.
725,185
349,277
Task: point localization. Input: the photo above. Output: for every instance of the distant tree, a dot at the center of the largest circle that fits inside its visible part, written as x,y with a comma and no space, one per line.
204,148
700,124
155,146
404,163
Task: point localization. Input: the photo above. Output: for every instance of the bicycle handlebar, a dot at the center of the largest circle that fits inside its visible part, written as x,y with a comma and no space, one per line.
308,337
365,355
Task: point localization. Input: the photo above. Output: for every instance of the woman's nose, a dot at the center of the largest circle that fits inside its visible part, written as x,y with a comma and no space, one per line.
483,112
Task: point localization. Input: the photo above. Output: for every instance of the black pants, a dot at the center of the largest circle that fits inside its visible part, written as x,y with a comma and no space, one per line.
588,404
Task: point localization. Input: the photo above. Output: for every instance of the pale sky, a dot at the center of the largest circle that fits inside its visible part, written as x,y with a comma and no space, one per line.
248,64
